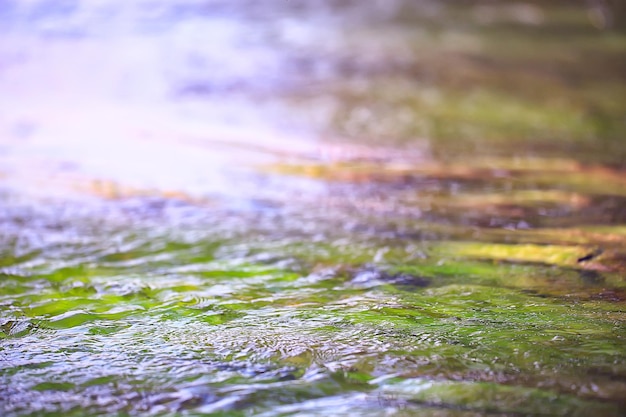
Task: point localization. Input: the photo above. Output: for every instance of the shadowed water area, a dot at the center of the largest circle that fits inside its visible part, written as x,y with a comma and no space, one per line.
303,208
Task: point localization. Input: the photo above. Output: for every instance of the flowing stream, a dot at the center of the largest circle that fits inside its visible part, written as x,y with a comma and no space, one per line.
302,208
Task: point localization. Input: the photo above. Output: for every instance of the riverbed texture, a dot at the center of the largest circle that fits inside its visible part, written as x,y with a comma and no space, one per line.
312,208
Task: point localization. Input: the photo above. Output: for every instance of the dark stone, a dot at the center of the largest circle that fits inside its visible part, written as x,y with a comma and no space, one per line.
373,276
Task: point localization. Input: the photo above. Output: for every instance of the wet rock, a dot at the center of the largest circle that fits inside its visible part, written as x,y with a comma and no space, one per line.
373,277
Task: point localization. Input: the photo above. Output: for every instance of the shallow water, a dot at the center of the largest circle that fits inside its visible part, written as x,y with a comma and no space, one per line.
311,208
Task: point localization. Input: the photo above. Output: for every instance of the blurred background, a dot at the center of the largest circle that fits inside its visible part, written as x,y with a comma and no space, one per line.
185,95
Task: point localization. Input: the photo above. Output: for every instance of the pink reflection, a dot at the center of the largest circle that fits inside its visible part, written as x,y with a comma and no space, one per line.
90,93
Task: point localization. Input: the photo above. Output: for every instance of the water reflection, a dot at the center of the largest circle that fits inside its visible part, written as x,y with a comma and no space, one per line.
102,90
177,85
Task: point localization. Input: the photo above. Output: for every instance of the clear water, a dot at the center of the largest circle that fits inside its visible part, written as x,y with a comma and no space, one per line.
311,208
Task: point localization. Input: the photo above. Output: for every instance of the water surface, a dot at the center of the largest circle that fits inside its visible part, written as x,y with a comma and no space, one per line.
311,208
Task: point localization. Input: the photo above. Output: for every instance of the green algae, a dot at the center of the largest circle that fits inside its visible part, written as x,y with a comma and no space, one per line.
551,255
514,401
504,345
